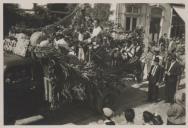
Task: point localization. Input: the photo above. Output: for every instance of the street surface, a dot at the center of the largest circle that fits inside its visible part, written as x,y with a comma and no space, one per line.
134,96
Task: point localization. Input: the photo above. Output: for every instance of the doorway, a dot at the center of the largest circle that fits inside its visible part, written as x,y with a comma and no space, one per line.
155,28
155,24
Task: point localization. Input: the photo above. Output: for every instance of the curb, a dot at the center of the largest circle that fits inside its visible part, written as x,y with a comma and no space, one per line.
29,120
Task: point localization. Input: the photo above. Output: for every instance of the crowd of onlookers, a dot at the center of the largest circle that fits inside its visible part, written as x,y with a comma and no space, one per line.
165,63
175,114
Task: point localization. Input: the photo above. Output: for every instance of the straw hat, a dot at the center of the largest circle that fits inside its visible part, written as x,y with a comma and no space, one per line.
156,49
107,112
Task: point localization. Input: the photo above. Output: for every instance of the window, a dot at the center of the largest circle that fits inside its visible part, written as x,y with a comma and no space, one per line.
128,23
135,10
131,17
132,9
129,9
134,23
131,23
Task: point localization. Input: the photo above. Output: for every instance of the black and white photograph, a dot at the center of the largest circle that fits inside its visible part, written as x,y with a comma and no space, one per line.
94,63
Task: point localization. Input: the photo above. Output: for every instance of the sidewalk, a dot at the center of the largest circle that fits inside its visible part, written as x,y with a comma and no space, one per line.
138,103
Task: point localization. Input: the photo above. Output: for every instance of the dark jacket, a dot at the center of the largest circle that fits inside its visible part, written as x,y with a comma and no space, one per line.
157,76
175,71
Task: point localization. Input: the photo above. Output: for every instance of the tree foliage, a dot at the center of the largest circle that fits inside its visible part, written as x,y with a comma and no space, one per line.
102,12
11,16
53,13
14,16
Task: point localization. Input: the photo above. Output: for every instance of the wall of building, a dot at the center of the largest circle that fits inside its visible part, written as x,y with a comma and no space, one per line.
120,19
166,24
144,17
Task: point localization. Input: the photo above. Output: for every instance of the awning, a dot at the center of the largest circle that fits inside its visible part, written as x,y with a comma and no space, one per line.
181,12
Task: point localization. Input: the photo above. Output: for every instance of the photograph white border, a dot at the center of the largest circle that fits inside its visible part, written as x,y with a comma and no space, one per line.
83,1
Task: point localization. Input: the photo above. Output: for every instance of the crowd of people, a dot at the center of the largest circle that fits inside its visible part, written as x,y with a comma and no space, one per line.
165,66
175,114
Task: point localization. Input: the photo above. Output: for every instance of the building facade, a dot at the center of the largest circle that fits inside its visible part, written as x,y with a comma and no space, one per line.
156,19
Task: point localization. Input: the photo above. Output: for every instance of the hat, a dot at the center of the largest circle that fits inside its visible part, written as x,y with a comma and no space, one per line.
156,49
157,120
173,56
156,59
65,46
180,98
107,112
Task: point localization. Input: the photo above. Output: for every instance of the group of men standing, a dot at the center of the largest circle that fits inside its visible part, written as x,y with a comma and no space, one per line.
164,70
84,43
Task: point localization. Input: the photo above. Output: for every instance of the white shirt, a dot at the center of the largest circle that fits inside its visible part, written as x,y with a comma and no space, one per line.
131,51
60,42
160,59
171,66
170,45
44,43
80,37
96,31
37,37
154,70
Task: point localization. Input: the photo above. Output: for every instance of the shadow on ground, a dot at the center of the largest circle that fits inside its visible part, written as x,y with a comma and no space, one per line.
80,114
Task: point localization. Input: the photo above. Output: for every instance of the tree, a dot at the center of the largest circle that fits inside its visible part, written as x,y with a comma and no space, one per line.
41,17
102,12
60,10
11,16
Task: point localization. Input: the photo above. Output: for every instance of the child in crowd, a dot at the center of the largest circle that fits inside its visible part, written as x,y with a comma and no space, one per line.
129,116
176,112
148,118
108,113
157,120
152,119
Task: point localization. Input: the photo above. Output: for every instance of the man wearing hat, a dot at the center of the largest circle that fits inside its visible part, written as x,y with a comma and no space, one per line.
172,78
157,54
108,113
164,41
154,78
125,50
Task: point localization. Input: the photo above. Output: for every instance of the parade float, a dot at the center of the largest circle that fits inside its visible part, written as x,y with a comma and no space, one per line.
58,76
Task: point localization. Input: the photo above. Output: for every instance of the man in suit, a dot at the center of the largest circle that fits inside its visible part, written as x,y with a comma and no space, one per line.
156,53
172,79
154,78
